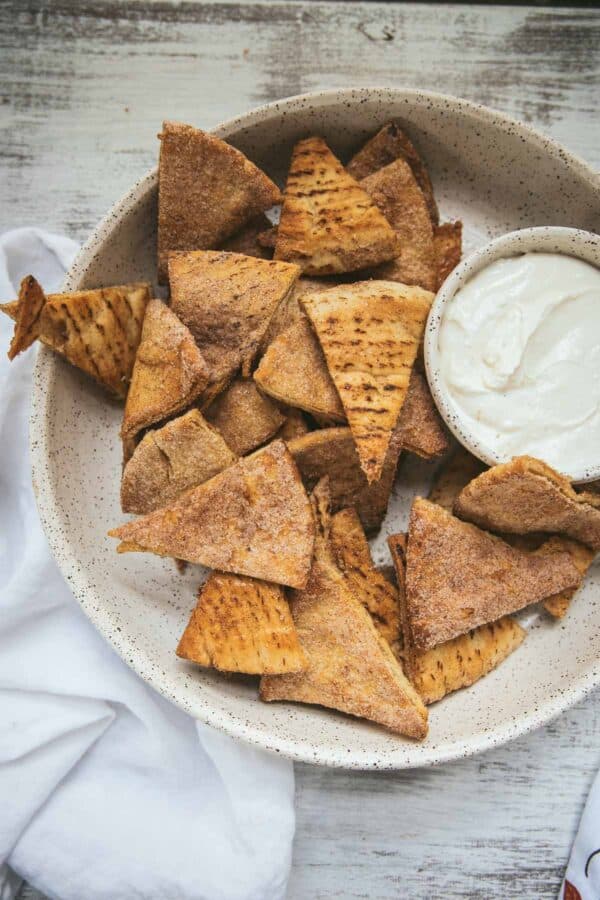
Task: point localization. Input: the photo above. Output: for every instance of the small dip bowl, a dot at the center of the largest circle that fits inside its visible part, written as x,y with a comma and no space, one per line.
582,245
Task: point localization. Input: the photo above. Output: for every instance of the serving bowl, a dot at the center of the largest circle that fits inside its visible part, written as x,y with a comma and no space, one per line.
574,242
488,170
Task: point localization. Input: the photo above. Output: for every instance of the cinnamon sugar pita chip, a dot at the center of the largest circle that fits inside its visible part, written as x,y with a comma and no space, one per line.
455,473
248,239
245,417
27,313
582,556
423,431
447,240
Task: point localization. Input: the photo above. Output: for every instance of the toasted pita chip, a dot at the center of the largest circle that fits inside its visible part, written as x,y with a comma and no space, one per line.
388,145
254,518
27,313
369,333
244,416
423,431
249,239
328,222
447,240
526,495
168,375
268,237
227,301
293,371
289,311
400,199
183,453
207,190
459,577
294,426
582,556
456,472
349,666
332,452
353,557
242,625
461,661
389,573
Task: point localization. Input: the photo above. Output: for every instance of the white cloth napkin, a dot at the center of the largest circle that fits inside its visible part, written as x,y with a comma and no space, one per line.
582,878
107,791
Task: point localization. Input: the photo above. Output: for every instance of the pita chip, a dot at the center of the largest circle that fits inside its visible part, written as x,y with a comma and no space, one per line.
423,431
455,473
369,333
582,556
526,495
254,519
227,301
461,661
459,577
98,331
242,625
248,240
207,190
400,199
349,666
289,311
294,372
168,375
331,452
447,240
389,144
328,223
245,417
168,461
294,426
353,557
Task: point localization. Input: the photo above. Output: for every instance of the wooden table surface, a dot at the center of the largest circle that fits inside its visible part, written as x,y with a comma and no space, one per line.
84,87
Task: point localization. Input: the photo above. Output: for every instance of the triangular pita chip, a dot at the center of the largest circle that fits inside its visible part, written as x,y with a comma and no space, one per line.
369,333
168,375
526,495
242,625
400,199
391,143
447,240
461,661
293,371
459,577
254,518
349,666
207,190
423,430
328,222
294,426
227,301
332,452
289,311
244,416
98,331
582,556
353,557
248,240
27,313
168,461
455,473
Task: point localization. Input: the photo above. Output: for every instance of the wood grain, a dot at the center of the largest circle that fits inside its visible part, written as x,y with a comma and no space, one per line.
84,88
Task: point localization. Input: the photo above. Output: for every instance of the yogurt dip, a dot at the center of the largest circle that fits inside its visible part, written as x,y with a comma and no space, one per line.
519,353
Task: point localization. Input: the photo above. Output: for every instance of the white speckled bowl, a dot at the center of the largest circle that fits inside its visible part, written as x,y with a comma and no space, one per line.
493,173
545,239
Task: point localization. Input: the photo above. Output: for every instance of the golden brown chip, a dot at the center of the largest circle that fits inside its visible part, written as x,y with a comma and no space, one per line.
455,473
207,190
353,557
400,199
582,556
27,313
242,625
244,416
294,426
526,495
328,222
227,301
268,237
447,239
459,577
293,371
332,452
168,375
461,661
289,311
389,144
423,431
369,333
254,518
349,666
248,239
183,453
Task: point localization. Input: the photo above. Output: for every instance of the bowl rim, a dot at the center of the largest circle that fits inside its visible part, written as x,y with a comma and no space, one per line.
49,507
538,239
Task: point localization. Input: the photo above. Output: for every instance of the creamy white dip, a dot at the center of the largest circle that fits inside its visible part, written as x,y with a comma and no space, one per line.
519,349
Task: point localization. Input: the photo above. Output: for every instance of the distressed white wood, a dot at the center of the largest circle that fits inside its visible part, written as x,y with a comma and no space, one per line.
84,87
